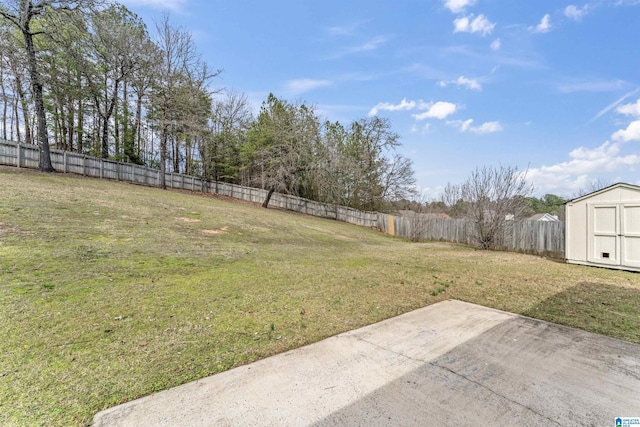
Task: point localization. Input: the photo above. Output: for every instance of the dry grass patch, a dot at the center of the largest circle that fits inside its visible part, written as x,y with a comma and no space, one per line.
223,230
188,219
104,302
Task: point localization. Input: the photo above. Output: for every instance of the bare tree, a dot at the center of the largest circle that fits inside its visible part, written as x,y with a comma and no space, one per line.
372,172
177,55
141,82
179,90
398,179
491,197
592,187
229,125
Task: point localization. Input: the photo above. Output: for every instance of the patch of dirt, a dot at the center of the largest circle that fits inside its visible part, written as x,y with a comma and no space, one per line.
183,219
212,232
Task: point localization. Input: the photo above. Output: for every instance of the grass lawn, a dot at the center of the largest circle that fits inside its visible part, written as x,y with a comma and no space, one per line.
112,291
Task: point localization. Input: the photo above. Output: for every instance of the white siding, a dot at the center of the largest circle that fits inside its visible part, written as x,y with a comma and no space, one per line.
576,235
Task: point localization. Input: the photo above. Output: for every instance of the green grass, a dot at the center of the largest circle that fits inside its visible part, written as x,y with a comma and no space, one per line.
111,291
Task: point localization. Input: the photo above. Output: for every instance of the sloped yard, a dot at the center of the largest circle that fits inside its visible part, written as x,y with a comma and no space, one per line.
112,291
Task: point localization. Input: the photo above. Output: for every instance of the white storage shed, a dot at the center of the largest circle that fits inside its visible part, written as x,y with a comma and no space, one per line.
603,228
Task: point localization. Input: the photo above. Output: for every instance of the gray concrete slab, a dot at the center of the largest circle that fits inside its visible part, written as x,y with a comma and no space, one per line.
451,363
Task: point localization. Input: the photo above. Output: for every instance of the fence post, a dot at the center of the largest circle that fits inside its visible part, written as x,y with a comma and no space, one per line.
19,155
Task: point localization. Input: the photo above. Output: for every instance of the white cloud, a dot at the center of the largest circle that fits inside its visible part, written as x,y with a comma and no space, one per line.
496,44
469,24
631,133
544,26
487,127
582,154
404,105
176,5
369,45
431,110
457,6
581,169
585,165
304,85
574,12
630,109
484,128
439,110
462,81
464,126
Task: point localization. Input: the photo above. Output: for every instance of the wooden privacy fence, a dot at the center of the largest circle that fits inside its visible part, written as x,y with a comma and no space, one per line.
28,156
532,237
541,238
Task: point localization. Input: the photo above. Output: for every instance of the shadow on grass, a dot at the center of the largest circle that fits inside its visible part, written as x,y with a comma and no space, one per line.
595,307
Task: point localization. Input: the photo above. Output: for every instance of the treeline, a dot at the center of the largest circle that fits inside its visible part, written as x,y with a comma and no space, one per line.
90,78
549,203
490,196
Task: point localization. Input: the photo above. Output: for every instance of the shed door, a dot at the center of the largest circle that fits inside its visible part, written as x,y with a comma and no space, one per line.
630,235
605,236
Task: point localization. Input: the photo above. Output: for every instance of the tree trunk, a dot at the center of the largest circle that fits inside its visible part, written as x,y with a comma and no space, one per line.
5,104
25,111
187,167
62,127
36,85
79,133
163,158
138,122
104,145
265,204
17,120
116,128
4,107
70,124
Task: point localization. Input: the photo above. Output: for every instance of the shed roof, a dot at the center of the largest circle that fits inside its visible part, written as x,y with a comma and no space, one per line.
543,217
603,190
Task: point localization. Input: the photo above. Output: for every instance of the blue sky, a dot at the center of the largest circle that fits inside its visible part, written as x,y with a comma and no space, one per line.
551,86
